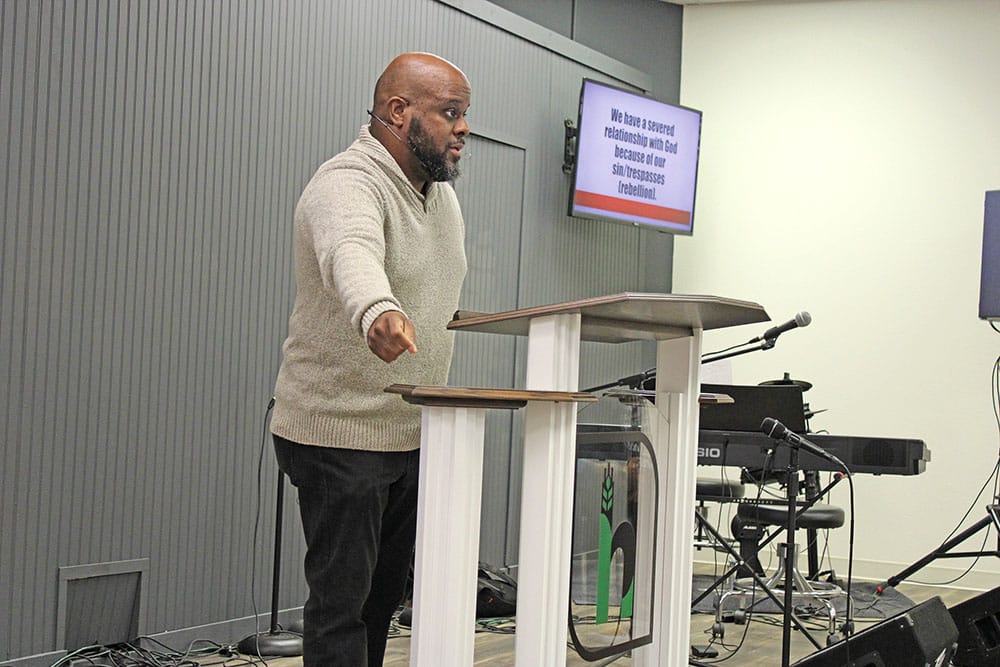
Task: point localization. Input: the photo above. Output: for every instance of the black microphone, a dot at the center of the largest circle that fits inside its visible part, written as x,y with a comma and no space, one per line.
773,428
801,319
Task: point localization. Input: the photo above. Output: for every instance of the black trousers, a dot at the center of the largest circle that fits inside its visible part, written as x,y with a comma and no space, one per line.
359,512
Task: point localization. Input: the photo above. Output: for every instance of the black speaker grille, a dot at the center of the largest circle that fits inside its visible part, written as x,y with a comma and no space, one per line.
880,453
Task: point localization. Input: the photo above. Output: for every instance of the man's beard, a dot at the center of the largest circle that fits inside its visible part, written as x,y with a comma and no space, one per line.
435,163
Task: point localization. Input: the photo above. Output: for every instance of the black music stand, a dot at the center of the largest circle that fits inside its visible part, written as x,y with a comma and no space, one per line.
944,551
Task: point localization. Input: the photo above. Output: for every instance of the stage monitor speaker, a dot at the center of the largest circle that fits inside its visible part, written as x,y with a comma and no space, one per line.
978,622
924,635
989,282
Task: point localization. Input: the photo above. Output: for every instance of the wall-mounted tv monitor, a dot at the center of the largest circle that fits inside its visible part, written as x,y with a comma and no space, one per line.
636,159
989,283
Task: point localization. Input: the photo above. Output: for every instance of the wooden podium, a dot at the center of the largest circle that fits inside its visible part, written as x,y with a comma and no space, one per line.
443,620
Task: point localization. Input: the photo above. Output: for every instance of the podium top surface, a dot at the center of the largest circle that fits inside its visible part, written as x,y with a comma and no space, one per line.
618,318
483,397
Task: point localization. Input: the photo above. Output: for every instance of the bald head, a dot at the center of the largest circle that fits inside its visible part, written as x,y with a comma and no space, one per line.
415,76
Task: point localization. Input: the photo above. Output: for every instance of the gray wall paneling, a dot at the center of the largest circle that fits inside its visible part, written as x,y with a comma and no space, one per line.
492,244
153,153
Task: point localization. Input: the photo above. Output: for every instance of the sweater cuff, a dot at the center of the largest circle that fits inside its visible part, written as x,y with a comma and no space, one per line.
373,312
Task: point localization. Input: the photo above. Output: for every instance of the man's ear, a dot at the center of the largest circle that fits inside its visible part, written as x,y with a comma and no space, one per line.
396,107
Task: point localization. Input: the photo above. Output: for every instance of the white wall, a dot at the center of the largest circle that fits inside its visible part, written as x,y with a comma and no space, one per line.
847,146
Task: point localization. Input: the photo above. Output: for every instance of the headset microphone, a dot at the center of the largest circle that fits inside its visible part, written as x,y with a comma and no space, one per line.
428,168
387,126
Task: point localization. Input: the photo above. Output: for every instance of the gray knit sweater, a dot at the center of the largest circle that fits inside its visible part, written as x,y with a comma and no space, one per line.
366,241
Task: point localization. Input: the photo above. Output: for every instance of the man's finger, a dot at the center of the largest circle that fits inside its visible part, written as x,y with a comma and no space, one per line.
391,334
408,337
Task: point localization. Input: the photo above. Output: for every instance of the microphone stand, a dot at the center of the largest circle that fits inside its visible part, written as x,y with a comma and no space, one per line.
765,344
274,642
639,379
632,381
792,495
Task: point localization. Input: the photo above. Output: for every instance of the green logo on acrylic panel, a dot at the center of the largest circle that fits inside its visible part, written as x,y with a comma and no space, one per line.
623,539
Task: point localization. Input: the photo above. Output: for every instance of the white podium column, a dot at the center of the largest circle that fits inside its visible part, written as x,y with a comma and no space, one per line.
675,441
447,556
547,494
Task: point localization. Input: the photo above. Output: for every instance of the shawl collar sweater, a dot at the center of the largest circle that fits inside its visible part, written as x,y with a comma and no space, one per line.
366,241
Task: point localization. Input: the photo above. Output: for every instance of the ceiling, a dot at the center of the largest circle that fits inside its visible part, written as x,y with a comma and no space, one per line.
704,2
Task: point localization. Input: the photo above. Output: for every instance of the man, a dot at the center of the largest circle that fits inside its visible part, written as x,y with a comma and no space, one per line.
379,258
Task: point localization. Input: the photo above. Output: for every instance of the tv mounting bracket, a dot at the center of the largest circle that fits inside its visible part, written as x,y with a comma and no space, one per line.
569,147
